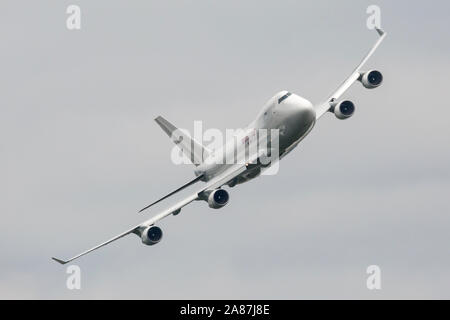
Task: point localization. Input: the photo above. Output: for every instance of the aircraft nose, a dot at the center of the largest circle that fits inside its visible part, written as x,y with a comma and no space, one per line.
306,113
298,113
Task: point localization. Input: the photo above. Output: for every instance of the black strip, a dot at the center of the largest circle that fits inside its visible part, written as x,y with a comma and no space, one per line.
234,309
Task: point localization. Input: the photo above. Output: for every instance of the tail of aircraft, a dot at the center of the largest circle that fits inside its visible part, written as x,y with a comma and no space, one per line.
191,148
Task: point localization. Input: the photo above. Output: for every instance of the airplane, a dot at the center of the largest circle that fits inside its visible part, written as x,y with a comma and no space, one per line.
289,113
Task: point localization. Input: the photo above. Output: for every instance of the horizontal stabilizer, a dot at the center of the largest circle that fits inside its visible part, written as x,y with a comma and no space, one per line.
190,183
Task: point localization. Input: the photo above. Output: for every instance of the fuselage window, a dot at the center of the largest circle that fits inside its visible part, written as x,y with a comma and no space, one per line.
287,95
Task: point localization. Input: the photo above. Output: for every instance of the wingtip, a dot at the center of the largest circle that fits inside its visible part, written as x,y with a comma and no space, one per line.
59,260
380,31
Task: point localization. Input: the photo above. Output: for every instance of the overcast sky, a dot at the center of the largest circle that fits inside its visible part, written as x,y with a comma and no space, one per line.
80,152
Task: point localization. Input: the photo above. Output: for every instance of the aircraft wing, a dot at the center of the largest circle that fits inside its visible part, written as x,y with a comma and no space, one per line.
214,183
322,108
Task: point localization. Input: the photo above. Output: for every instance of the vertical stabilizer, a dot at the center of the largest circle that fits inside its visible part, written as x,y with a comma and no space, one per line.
191,148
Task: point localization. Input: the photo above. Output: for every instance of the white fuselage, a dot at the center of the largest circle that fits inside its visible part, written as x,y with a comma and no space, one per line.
293,117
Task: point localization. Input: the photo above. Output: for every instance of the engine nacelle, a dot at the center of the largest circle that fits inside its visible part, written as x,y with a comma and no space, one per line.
151,235
218,198
372,79
344,109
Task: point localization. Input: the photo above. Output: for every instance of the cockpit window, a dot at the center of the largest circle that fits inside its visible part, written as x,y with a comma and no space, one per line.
287,95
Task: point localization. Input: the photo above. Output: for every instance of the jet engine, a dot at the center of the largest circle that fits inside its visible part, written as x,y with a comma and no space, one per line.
152,235
218,198
371,79
344,109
